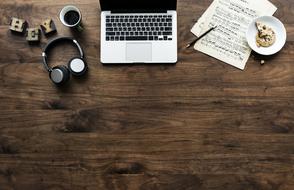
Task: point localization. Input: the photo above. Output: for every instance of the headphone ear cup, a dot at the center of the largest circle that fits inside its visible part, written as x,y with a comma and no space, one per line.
77,66
59,75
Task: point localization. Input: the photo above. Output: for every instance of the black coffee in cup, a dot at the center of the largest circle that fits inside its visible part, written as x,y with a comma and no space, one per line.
72,17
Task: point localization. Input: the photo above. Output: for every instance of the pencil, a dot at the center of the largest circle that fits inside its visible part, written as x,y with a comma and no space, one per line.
201,36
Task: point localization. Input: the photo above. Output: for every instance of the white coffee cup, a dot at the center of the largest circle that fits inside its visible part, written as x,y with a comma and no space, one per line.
75,21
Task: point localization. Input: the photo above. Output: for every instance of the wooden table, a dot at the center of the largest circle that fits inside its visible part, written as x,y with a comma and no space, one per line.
199,124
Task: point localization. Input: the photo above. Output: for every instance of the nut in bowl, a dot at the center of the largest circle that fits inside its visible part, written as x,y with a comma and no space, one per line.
266,35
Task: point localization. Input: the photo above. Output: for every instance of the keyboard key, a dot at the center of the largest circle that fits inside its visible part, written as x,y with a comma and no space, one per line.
136,38
167,33
110,33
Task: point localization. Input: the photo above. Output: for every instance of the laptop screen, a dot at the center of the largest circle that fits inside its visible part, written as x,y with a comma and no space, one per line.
138,5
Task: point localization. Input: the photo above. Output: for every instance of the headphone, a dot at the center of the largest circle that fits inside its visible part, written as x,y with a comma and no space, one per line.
61,74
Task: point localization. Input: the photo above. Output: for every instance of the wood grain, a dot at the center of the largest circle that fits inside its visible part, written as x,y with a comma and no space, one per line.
199,124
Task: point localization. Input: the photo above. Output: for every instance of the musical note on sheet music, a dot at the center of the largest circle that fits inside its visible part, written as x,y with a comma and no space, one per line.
228,42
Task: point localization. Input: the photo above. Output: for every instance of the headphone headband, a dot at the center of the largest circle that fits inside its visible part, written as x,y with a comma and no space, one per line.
52,43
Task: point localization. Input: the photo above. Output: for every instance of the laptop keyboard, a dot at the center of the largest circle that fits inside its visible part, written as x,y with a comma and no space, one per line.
139,27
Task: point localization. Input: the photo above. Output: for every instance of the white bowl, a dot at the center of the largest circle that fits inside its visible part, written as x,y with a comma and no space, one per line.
278,28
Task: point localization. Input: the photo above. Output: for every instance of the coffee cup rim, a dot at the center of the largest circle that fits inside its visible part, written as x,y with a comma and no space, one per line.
63,12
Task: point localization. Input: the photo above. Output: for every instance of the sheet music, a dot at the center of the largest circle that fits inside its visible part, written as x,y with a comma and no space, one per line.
232,18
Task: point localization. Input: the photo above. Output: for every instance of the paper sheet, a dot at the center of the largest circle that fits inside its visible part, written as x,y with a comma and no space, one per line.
232,17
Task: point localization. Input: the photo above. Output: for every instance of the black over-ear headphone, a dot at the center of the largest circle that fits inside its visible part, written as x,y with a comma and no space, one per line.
76,66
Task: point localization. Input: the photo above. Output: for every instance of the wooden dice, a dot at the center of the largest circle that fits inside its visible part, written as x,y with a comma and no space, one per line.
18,25
33,35
48,27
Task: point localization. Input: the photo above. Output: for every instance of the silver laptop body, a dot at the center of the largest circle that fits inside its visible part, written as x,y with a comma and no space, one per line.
135,31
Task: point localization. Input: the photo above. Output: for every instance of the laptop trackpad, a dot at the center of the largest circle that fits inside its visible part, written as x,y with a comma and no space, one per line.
139,52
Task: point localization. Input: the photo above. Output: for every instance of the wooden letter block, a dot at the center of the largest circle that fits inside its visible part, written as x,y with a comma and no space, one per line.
18,25
48,27
33,35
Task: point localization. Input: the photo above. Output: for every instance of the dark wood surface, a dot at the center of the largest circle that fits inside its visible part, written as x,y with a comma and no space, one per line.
199,124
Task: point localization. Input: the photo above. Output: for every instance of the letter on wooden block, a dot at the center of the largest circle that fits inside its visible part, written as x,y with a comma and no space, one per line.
18,25
48,27
33,35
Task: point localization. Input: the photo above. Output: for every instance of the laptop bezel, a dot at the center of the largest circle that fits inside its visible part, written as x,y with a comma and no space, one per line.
137,10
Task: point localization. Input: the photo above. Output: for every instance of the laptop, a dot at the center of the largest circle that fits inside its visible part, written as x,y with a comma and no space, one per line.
138,31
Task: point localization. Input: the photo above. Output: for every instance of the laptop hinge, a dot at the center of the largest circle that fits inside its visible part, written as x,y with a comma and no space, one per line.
138,11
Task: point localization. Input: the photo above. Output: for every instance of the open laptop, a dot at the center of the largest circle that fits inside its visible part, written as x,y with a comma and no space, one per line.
138,31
